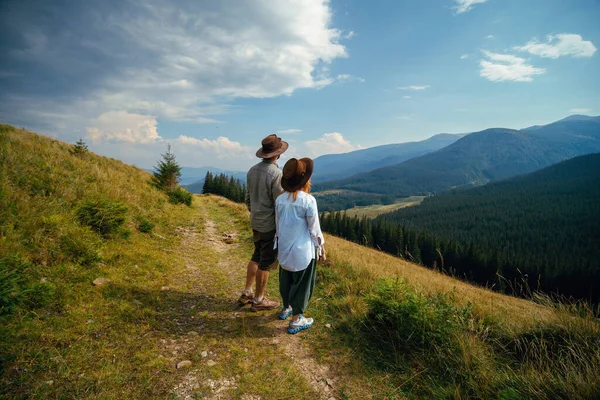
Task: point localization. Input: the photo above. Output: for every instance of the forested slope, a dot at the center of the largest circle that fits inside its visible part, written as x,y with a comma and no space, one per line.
545,223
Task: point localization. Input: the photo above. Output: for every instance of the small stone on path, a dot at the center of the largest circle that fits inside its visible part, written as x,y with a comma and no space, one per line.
49,383
184,364
101,281
165,288
204,354
211,363
328,326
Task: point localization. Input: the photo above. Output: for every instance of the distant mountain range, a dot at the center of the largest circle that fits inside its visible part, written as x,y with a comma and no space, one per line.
480,157
337,166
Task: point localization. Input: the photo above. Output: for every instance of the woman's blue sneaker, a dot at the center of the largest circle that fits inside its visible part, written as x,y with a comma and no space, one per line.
299,325
285,312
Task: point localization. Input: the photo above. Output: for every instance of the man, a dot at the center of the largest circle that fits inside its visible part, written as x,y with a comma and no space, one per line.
264,185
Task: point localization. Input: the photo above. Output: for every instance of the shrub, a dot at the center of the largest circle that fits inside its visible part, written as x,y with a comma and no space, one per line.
79,248
11,284
180,195
103,216
412,325
145,226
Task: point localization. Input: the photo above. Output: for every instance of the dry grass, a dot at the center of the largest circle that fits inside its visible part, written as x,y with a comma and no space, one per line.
516,314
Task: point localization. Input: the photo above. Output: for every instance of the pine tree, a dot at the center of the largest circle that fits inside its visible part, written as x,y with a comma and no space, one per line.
207,188
80,149
167,174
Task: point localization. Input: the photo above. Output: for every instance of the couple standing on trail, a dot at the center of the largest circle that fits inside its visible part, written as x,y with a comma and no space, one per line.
285,226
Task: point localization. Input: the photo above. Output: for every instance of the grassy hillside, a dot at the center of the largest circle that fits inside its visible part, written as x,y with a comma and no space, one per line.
478,158
385,328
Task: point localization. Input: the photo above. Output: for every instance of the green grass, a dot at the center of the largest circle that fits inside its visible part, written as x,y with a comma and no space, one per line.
375,210
396,330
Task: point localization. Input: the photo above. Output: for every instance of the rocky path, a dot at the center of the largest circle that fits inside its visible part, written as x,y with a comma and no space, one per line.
214,273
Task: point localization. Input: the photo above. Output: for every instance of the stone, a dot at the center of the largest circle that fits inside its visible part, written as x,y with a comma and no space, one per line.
49,383
328,326
192,333
101,281
211,363
165,288
204,354
184,364
329,382
89,321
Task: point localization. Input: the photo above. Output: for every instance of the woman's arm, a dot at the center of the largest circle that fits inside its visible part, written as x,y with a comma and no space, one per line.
314,228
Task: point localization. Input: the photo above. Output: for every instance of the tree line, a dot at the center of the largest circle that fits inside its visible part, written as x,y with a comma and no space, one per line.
509,273
538,231
226,186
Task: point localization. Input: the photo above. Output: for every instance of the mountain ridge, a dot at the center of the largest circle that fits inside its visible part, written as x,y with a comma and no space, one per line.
478,158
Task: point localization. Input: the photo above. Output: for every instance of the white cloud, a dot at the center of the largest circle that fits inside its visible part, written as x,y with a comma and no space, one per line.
407,97
464,56
222,147
414,88
289,131
490,37
463,6
564,44
176,60
349,35
349,78
506,67
330,143
121,126
580,110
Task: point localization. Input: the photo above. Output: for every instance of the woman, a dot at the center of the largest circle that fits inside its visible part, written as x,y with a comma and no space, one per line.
299,240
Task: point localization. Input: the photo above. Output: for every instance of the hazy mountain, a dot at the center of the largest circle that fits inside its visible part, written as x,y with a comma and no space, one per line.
481,157
337,166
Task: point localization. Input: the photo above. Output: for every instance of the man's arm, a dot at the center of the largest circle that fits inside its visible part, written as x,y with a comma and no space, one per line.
247,199
248,182
276,188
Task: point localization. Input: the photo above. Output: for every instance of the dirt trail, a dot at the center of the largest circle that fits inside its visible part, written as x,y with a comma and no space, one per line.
231,274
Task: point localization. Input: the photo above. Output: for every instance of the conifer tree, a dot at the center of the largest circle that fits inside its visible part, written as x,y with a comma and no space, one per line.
80,148
167,172
207,187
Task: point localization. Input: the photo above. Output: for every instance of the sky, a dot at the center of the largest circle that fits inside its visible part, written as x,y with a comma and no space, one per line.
213,78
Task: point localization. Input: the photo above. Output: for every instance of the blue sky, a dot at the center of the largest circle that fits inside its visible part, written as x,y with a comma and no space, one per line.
214,78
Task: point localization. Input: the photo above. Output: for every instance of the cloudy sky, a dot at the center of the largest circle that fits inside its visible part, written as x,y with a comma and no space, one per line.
214,77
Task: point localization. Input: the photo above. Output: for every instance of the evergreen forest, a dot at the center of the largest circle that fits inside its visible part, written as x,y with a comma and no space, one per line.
534,232
226,186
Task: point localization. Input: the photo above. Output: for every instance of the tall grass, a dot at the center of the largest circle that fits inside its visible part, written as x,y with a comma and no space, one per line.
438,344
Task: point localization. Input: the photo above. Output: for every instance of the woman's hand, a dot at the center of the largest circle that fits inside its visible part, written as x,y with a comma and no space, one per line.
322,257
